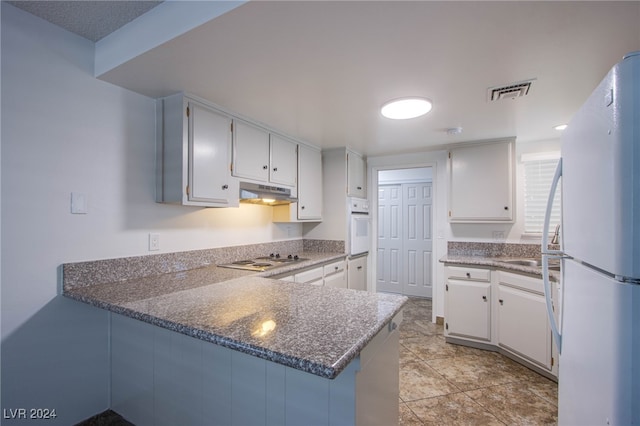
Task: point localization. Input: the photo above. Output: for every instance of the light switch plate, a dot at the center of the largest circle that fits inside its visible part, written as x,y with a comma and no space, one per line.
78,203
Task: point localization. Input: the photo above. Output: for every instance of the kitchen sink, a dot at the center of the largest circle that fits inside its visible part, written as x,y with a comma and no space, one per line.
523,262
554,265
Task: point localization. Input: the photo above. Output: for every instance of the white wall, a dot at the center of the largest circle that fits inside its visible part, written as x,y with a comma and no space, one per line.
64,131
417,174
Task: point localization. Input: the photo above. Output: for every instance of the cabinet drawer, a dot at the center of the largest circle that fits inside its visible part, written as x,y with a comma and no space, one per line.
463,273
310,276
521,281
334,268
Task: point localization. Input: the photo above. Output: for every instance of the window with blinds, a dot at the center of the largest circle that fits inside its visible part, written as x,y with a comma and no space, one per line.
538,174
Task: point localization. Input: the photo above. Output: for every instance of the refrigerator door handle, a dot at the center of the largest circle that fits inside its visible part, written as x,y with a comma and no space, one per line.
546,253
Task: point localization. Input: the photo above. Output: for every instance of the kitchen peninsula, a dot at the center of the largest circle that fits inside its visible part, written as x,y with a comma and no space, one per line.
208,345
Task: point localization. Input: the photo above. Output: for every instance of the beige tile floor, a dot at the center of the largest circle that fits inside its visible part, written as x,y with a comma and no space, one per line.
445,384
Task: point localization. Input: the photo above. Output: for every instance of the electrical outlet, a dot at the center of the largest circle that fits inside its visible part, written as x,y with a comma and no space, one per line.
154,242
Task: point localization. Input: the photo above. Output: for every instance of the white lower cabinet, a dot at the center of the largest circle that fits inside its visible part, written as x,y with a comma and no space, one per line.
357,273
335,274
499,310
468,304
522,318
332,274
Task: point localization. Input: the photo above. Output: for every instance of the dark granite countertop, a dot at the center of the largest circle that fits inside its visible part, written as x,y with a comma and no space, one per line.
498,263
311,328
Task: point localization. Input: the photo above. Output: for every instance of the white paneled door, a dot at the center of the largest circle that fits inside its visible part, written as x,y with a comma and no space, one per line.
405,239
389,262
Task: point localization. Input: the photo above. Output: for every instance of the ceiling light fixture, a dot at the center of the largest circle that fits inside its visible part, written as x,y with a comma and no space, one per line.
405,108
560,127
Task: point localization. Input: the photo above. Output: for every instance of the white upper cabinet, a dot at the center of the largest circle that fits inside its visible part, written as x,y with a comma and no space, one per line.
250,151
309,183
309,205
194,154
356,175
283,161
481,188
263,157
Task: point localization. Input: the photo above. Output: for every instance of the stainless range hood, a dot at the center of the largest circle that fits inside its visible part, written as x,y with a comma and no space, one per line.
256,193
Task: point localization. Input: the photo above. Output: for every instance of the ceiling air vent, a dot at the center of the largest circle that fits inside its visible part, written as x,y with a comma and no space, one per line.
511,91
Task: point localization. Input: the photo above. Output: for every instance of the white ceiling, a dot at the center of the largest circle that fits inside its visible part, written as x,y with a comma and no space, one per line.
320,70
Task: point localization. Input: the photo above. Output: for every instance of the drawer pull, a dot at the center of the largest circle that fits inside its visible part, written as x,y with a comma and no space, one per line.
468,274
484,298
265,167
359,267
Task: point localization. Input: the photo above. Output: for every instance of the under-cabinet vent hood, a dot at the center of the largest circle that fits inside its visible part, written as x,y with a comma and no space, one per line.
510,91
256,193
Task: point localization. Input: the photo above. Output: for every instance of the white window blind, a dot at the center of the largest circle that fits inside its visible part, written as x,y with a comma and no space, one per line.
538,175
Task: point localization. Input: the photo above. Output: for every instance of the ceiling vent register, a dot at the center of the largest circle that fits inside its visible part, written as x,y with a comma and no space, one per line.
511,91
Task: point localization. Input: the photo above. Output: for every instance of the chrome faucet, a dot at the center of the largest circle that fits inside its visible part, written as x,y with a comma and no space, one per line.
556,234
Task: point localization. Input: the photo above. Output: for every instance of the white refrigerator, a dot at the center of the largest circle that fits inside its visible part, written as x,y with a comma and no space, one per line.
598,331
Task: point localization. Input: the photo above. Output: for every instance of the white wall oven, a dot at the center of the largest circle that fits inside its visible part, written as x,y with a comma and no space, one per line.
359,226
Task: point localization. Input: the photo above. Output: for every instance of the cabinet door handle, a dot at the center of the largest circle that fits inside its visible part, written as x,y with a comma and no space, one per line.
484,298
335,267
302,207
265,167
468,274
506,207
359,267
225,186
359,187
275,169
501,301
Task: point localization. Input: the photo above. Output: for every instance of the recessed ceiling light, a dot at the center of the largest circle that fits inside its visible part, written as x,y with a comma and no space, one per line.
402,109
560,127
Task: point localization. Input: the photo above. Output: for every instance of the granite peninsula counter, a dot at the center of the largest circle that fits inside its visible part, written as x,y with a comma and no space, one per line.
328,333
